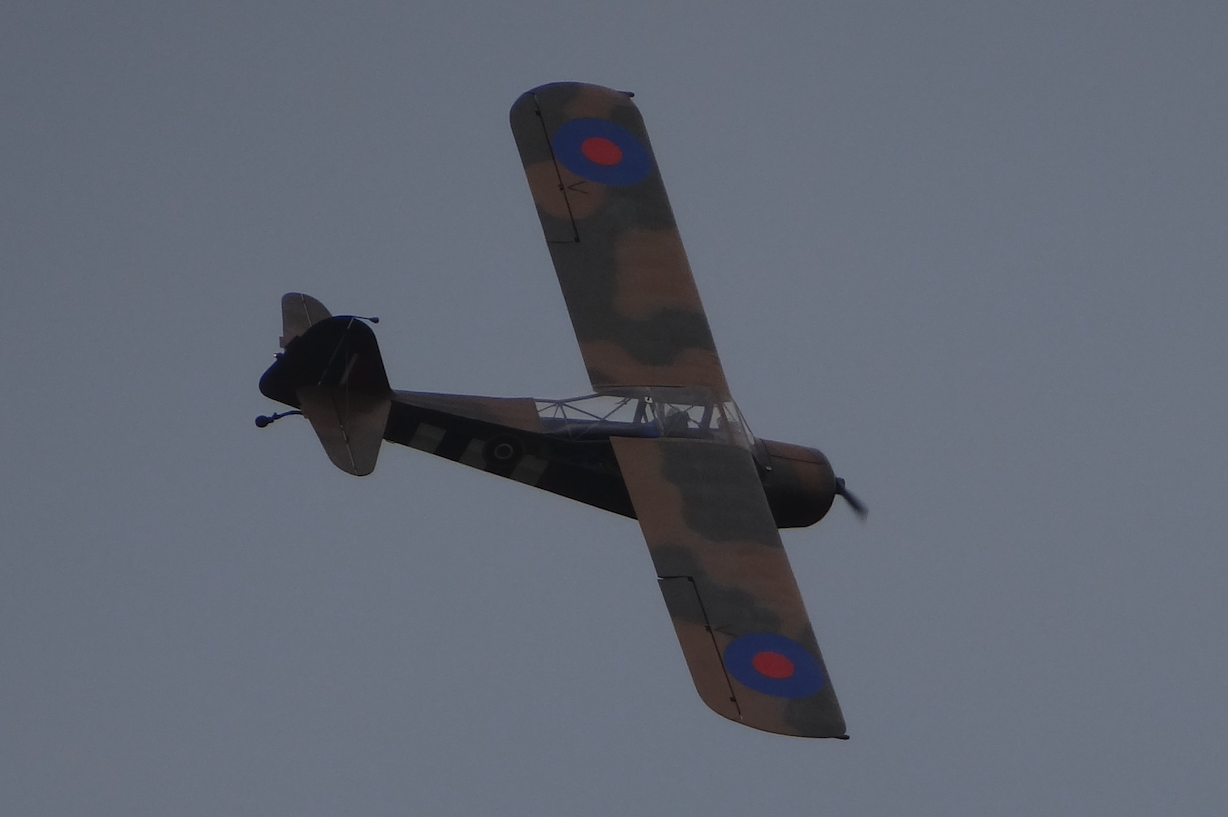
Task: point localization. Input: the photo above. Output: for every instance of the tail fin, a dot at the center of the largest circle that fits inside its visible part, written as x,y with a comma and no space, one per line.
299,313
332,370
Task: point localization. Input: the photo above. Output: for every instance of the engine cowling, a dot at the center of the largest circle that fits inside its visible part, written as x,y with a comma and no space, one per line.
800,484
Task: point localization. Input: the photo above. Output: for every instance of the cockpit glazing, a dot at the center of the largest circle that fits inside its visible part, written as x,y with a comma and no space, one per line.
657,412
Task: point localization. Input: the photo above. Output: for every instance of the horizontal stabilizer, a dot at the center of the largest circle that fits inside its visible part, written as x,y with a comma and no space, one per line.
334,373
350,425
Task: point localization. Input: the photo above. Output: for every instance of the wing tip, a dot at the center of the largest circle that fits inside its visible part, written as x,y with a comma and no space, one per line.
573,84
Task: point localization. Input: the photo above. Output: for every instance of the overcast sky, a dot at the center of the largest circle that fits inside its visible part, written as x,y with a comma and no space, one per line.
975,252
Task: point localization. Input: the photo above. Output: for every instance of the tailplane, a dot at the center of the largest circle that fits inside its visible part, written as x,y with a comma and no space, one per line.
332,370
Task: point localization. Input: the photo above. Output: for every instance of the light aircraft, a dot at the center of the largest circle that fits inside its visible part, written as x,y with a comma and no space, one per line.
659,440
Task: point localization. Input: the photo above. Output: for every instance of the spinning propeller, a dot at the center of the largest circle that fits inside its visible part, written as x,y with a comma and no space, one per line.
856,504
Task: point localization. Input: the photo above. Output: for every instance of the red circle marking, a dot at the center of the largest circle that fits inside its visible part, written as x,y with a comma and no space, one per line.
772,664
601,151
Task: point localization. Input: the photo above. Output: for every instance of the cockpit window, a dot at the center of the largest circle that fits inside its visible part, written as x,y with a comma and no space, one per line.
661,412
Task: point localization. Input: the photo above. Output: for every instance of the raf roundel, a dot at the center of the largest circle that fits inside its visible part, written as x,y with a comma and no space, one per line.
774,665
600,151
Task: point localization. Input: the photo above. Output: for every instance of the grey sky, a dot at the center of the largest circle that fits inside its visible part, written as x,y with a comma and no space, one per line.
973,251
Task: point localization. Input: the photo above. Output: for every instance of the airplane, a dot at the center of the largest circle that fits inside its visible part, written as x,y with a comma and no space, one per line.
659,440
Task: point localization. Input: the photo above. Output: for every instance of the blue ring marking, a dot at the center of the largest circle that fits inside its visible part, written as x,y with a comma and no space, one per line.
634,166
807,677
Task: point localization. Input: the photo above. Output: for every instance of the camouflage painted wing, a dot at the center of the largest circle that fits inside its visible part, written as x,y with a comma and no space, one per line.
612,237
728,586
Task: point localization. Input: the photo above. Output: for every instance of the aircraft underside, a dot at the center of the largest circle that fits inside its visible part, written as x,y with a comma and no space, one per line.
560,446
660,440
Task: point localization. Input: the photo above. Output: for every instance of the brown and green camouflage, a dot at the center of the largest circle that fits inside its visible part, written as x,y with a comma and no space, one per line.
616,249
660,441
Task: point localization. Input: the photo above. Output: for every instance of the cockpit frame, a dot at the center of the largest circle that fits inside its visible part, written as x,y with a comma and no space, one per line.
649,412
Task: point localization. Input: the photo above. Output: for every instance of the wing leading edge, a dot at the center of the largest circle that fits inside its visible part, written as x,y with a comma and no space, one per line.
727,583
612,236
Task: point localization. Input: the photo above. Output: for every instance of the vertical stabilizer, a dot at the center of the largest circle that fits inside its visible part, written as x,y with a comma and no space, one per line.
331,370
299,313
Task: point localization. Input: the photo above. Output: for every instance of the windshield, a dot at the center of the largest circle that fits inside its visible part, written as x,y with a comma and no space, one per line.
662,412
